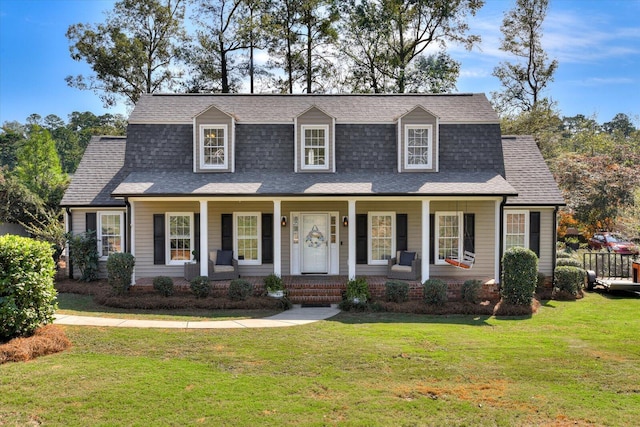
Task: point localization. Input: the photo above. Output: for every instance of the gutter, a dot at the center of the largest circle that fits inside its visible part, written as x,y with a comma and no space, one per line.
127,228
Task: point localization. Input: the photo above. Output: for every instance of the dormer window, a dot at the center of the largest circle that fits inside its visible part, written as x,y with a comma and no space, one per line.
418,147
214,147
315,147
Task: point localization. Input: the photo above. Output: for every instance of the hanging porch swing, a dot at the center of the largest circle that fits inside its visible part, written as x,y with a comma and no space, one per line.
469,256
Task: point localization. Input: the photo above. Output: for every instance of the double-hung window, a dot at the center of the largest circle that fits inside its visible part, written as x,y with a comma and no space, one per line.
516,229
315,147
381,237
247,242
214,147
448,237
179,237
110,233
418,141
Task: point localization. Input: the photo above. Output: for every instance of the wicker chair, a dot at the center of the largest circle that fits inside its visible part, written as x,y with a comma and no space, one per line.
222,271
402,271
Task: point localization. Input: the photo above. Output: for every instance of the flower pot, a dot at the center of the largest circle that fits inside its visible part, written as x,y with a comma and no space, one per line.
276,294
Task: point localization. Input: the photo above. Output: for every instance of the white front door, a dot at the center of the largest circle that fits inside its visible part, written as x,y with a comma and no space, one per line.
314,235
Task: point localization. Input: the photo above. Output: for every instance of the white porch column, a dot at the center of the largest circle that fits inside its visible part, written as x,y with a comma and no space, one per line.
352,239
204,238
277,238
426,233
496,245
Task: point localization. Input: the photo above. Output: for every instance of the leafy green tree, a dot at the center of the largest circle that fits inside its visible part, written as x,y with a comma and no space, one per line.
11,136
382,38
542,122
133,52
284,37
523,81
620,124
38,167
433,74
17,203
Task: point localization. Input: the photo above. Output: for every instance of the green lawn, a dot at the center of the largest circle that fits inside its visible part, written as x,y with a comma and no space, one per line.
574,363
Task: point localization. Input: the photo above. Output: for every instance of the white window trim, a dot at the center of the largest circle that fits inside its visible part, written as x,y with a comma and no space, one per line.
167,237
436,248
526,227
303,166
370,240
258,215
429,164
225,129
99,232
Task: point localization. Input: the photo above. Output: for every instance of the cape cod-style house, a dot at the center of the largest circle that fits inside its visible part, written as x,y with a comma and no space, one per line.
315,185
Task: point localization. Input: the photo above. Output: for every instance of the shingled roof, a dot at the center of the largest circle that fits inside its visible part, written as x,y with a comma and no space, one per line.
527,171
98,174
351,108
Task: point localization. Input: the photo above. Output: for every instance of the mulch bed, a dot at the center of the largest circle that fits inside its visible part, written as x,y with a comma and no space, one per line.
46,340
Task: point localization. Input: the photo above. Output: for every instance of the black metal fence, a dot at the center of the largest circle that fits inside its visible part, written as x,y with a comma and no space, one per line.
608,264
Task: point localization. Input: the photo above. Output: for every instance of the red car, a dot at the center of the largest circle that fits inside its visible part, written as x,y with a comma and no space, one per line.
613,242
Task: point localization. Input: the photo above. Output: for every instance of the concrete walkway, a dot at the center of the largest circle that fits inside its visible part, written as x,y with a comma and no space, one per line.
296,316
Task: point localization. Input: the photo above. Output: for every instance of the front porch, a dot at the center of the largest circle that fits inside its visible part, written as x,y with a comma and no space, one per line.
329,289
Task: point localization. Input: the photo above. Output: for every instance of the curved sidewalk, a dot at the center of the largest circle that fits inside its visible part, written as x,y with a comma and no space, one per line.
296,316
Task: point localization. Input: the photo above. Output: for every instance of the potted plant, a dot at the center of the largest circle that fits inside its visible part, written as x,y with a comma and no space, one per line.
357,290
274,285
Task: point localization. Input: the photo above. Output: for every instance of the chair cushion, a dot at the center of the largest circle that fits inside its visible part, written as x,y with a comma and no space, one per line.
406,258
401,268
223,268
224,257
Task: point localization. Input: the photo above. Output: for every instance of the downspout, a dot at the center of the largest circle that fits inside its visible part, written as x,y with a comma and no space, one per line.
501,237
127,228
70,223
554,243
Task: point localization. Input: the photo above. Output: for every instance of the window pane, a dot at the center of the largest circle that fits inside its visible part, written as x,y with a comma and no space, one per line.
448,236
214,147
381,237
247,237
418,146
314,147
515,230
180,237
110,234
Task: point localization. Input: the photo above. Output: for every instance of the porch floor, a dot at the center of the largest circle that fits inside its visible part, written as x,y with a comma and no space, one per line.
328,289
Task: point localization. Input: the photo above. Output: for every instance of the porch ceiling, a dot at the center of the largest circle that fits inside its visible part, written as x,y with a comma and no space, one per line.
278,183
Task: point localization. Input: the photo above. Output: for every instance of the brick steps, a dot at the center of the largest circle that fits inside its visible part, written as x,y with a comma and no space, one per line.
315,293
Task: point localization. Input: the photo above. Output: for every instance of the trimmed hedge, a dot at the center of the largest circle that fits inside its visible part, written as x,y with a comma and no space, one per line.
571,262
164,285
200,286
519,276
396,291
434,292
27,294
358,288
240,290
570,279
119,271
470,290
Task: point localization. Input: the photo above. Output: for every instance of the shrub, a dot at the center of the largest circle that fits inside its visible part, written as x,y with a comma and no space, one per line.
119,271
358,288
240,290
571,262
562,254
519,276
570,279
27,294
83,252
434,292
470,290
273,283
200,286
351,305
396,291
164,285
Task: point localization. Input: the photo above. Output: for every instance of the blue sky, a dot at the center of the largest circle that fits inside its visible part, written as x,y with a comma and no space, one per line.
597,43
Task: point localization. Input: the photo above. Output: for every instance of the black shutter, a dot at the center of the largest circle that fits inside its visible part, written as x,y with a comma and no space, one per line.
158,239
432,238
534,232
362,256
267,238
402,232
227,232
196,236
469,240
91,219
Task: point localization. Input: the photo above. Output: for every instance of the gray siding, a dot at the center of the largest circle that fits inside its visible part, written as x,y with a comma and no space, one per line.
471,148
159,147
